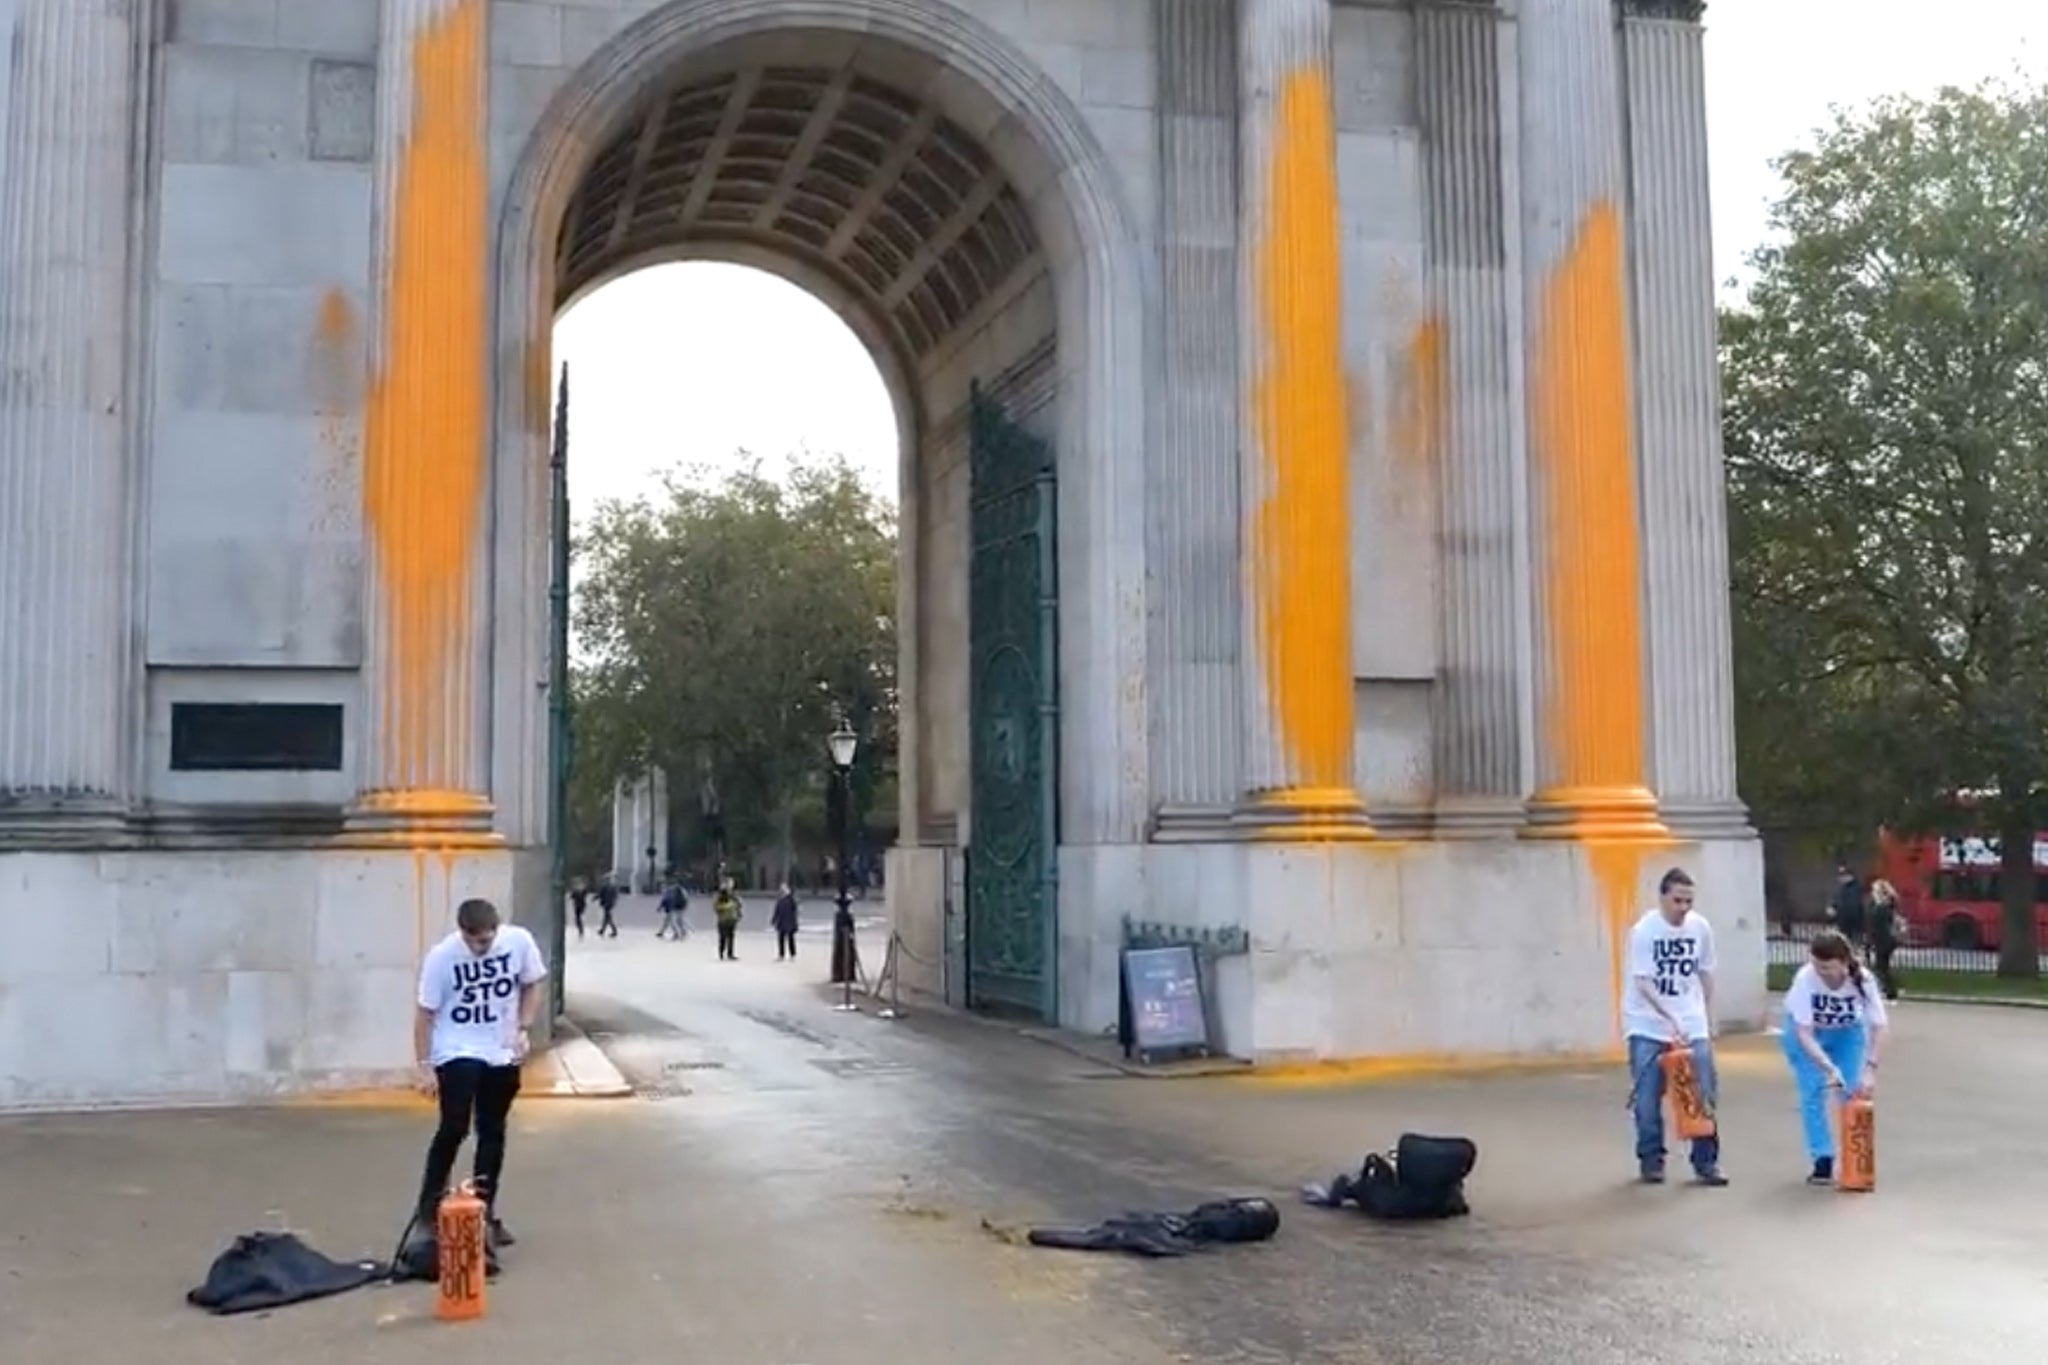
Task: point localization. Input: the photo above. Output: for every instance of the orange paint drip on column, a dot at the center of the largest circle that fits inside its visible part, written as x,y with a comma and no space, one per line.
1301,567
424,474
1594,711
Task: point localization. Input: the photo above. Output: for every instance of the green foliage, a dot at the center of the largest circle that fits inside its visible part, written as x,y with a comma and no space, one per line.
1887,437
722,628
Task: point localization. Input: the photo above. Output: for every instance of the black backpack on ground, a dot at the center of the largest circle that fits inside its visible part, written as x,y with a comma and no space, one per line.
1424,1180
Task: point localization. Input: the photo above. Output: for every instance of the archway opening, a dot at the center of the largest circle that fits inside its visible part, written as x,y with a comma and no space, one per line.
863,171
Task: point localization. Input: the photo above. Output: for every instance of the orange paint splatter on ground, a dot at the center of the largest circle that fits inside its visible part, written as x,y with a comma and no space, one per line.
1301,538
424,475
1594,713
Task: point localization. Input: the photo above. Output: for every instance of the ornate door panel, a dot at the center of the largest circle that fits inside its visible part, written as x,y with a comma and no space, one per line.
1013,830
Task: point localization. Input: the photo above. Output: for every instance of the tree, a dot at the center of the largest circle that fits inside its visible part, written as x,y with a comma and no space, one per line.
724,628
1887,411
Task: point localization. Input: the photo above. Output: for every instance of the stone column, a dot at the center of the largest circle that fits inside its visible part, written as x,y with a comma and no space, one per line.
1295,484
1461,84
424,479
1678,422
1585,538
1197,772
67,115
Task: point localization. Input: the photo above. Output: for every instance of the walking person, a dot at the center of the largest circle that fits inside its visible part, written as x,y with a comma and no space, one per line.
579,901
1887,927
785,922
608,901
479,992
1846,908
673,904
1834,1031
1668,1001
726,906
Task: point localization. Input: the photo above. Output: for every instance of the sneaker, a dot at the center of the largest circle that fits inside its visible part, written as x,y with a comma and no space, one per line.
1652,1173
1710,1177
499,1235
1823,1171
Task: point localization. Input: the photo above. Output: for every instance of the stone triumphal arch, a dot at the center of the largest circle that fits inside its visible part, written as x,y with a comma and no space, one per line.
1312,527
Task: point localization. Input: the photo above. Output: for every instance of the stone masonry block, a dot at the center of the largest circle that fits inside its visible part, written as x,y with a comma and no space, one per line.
526,34
342,118
233,106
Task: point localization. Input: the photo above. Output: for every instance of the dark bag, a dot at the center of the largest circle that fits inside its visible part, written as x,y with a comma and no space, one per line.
272,1269
1425,1180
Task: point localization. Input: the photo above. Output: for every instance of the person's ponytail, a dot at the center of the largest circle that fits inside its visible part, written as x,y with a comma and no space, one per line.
1856,975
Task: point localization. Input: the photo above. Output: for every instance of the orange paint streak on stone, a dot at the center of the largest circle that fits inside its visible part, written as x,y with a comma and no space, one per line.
1419,430
1301,562
1594,711
424,475
1617,870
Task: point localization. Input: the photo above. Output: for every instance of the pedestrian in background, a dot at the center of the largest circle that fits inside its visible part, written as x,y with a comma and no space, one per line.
785,921
1887,928
726,906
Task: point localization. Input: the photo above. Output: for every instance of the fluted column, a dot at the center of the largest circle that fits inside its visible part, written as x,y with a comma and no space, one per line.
1460,85
1678,422
424,468
1295,488
1197,763
66,139
1585,537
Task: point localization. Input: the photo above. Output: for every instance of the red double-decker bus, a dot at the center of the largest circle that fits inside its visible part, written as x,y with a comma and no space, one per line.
1950,888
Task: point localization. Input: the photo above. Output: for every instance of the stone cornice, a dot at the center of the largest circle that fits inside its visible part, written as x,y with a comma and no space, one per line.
1683,11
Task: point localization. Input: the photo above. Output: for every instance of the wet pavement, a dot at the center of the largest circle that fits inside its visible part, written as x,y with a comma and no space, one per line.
796,1186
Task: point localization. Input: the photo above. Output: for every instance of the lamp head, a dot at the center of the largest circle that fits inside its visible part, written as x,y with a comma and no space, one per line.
842,742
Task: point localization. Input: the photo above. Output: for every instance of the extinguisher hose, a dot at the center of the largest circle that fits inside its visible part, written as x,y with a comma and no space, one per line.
392,1273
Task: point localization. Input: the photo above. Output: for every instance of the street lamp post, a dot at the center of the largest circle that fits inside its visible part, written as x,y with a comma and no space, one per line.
841,743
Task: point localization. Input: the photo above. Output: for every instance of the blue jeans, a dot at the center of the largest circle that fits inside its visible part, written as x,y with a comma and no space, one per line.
1646,1098
1843,1047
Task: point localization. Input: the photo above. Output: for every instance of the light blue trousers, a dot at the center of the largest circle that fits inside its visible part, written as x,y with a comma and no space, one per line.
1844,1047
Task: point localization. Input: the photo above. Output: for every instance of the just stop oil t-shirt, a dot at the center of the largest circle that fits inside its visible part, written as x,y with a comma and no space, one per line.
1673,957
474,997
1814,1003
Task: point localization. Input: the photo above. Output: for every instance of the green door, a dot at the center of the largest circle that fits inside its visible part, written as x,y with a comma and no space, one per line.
1013,715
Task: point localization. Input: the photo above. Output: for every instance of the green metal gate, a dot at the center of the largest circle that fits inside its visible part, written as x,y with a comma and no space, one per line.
1013,715
560,739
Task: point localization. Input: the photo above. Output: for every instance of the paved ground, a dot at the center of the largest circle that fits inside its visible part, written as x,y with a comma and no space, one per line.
800,1187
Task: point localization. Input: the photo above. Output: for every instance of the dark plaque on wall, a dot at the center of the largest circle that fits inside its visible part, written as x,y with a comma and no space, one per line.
1168,1018
270,737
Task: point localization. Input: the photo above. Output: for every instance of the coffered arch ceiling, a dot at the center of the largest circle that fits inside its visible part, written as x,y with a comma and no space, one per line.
840,161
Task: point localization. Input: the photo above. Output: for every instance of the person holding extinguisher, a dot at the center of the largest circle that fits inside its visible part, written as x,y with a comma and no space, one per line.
1834,1031
1668,1001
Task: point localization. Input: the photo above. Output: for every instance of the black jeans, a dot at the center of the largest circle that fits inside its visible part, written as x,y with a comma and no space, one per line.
726,933
1881,950
785,943
469,1088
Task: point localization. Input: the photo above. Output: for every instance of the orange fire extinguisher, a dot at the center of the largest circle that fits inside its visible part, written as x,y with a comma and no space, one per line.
1690,1116
1856,1137
459,1229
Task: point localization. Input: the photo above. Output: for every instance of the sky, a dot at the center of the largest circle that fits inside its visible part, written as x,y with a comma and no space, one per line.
688,365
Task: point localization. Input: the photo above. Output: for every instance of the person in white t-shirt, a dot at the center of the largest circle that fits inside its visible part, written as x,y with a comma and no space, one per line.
1835,1025
480,990
1668,1000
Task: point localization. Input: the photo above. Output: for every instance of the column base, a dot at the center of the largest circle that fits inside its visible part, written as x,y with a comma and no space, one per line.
1308,815
1479,817
34,821
439,819
1703,817
1607,813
